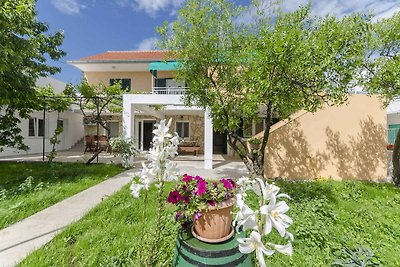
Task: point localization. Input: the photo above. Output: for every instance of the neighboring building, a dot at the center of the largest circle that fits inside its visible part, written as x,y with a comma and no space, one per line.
35,128
339,142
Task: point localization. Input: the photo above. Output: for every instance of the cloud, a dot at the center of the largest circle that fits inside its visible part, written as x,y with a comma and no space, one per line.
69,7
338,8
153,6
147,44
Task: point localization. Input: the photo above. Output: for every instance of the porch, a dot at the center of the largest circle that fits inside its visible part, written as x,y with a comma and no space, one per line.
142,111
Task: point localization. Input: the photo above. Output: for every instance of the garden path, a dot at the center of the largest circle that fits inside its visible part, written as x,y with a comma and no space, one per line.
22,238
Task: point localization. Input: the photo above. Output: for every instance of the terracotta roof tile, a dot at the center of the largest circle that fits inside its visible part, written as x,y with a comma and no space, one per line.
129,55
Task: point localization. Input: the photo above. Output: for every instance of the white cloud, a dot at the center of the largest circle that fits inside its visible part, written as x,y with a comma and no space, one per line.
69,7
147,44
340,8
153,6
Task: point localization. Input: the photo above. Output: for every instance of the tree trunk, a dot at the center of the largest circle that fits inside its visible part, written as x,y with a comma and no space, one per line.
252,158
95,154
396,160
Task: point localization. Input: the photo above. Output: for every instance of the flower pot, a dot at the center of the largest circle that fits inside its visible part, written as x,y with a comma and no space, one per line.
215,224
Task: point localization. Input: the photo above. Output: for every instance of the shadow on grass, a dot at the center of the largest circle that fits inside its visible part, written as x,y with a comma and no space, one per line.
305,191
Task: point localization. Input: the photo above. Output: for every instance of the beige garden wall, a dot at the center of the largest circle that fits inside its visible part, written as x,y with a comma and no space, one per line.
141,81
342,142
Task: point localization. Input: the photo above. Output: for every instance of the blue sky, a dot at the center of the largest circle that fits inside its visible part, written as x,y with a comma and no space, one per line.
94,26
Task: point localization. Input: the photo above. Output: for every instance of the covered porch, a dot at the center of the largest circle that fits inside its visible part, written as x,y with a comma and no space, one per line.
142,111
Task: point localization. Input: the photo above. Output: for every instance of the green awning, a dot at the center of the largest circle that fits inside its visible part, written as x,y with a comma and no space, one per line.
162,66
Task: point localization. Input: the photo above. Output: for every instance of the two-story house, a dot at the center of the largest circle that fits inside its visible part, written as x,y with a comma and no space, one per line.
152,94
348,141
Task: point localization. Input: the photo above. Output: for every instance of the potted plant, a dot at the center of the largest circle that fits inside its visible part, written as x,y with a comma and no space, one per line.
205,205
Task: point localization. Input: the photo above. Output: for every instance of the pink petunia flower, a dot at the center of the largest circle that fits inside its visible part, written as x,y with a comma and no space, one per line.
201,187
226,183
174,197
187,178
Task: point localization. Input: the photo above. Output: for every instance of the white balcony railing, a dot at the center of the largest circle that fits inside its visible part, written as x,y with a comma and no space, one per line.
169,90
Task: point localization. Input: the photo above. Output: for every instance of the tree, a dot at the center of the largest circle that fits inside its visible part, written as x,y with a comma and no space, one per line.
270,67
94,101
381,73
48,101
25,44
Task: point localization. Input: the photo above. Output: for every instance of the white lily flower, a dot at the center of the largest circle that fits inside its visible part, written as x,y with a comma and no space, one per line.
161,132
171,171
246,218
254,243
276,217
244,184
175,140
284,249
135,189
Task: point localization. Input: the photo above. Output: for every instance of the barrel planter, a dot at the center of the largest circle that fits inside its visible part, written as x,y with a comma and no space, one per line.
190,251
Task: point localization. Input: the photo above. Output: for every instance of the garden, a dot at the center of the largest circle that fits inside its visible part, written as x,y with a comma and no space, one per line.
138,225
326,222
28,187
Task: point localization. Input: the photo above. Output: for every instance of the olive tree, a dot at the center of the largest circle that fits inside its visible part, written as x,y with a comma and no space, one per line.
270,66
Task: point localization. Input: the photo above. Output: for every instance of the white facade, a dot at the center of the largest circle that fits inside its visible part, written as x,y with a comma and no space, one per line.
72,121
140,104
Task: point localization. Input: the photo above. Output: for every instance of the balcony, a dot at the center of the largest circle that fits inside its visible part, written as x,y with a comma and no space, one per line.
169,90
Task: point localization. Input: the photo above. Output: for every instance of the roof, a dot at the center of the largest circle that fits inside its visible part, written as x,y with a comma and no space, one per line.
153,55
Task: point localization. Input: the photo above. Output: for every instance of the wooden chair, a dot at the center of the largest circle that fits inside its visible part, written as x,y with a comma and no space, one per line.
90,143
103,143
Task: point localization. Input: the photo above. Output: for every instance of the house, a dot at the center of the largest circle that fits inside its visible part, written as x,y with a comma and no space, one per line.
152,94
39,129
348,141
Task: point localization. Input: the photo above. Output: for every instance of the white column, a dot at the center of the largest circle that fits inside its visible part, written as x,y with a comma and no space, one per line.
208,141
127,117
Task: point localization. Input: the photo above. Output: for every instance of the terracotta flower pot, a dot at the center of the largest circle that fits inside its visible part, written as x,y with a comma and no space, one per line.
215,225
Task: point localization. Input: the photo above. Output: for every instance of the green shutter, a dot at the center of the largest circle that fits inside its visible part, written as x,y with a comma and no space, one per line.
392,133
161,82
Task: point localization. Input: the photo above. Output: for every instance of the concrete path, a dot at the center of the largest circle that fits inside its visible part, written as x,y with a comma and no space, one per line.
20,239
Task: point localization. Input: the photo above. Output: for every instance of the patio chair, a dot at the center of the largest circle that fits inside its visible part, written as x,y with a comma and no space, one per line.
90,143
103,143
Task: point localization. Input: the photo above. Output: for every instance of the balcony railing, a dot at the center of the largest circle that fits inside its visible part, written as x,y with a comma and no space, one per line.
169,90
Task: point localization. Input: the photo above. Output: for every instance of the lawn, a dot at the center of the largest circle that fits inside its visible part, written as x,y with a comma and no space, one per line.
26,188
328,216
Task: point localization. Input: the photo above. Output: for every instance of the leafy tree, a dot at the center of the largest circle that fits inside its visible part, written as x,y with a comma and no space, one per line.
94,101
51,102
276,64
24,46
382,71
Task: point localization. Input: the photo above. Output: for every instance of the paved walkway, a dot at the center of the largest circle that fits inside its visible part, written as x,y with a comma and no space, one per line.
22,238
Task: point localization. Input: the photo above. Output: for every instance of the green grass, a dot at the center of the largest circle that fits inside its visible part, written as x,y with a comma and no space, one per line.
328,216
26,188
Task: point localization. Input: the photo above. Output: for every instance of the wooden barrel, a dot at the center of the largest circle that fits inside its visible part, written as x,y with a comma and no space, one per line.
192,252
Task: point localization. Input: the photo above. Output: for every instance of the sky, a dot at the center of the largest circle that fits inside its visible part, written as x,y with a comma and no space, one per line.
95,26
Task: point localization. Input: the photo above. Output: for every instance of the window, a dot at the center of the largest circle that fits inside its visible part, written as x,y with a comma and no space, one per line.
36,127
182,128
60,124
114,129
125,83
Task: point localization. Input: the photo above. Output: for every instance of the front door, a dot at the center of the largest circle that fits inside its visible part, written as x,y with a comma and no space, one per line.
219,143
148,127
